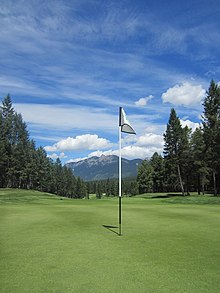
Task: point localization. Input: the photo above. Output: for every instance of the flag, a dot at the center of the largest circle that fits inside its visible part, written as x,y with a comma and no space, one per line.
124,123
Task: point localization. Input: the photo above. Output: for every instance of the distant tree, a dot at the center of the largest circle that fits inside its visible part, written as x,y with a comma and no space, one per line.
98,191
145,177
19,151
81,190
30,173
3,152
133,189
211,130
157,164
185,158
69,183
108,188
7,124
200,166
114,188
173,146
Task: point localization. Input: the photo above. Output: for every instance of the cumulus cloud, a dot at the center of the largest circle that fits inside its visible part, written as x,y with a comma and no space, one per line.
56,156
135,151
143,101
129,152
150,139
185,94
140,147
190,124
81,142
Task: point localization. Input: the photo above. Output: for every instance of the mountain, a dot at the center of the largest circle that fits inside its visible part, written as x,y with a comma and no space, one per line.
104,167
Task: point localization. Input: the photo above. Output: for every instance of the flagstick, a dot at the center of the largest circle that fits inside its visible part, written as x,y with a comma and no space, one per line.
119,171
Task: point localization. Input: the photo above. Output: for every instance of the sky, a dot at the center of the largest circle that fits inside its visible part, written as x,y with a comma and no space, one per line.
69,65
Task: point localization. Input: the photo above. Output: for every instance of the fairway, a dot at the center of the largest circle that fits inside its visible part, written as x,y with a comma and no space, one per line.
53,245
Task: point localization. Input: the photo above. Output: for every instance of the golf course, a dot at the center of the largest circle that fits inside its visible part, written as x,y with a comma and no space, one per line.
51,244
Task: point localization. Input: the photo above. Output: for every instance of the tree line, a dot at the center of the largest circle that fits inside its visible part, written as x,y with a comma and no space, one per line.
191,161
23,165
109,187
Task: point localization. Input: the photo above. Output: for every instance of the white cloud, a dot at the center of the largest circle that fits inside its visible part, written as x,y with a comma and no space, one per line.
130,152
67,117
134,151
81,142
190,124
139,147
56,156
185,94
150,139
143,101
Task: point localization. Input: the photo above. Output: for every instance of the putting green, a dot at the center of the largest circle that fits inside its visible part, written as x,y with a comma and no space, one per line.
53,245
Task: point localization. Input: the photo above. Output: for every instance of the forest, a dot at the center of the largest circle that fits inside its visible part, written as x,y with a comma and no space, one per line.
190,161
23,165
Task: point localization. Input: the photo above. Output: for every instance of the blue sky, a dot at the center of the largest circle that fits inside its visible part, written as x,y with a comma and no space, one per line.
70,64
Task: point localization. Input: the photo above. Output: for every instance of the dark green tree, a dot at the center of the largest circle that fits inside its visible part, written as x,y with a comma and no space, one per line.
98,191
173,147
200,167
7,130
186,159
145,177
157,164
211,130
108,188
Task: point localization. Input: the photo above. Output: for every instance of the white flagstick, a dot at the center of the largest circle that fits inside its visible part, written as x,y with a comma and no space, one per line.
124,126
119,172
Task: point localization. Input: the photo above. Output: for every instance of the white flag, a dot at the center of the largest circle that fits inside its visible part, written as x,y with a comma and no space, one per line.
124,123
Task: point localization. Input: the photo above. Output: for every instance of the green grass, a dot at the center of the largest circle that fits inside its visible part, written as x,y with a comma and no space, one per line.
51,245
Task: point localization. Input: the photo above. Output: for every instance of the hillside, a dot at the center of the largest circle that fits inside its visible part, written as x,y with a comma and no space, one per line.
104,167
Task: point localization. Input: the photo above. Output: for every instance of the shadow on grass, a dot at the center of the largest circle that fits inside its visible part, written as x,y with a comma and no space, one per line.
169,195
111,228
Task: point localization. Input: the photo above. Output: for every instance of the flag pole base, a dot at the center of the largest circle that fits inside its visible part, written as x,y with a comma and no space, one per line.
119,234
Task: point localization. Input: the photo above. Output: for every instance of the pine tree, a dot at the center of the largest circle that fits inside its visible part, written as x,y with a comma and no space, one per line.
3,153
200,167
108,188
98,191
211,130
157,164
7,113
173,146
145,177
19,150
185,158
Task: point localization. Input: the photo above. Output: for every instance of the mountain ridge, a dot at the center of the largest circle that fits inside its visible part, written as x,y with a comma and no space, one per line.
104,167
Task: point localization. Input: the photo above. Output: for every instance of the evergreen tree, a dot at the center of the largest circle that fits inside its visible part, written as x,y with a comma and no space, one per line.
211,130
108,188
185,158
3,153
174,146
19,151
114,188
145,177
7,113
98,191
200,167
133,189
58,176
157,164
